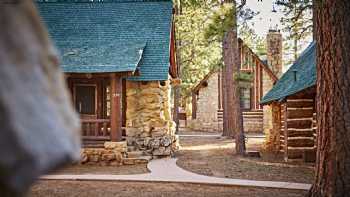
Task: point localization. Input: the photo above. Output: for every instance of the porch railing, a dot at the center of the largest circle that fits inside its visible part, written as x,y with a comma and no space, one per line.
96,129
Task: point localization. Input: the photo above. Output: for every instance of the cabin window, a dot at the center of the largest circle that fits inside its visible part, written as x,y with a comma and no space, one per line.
245,98
85,99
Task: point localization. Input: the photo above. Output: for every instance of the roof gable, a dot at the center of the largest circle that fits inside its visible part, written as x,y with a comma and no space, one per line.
105,35
250,52
303,70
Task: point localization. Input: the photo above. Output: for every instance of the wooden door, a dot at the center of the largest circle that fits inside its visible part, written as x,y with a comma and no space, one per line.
85,100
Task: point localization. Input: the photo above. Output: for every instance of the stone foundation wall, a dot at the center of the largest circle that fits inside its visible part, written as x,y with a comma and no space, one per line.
273,141
253,127
267,110
208,118
198,125
149,125
207,107
250,125
113,153
253,121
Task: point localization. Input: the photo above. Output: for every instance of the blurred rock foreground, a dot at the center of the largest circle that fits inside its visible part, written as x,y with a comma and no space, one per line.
39,129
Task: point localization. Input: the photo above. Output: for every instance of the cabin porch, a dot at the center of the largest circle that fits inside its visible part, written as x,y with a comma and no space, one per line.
100,101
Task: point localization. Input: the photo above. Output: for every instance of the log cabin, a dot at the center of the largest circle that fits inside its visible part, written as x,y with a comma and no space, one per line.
292,99
118,60
257,77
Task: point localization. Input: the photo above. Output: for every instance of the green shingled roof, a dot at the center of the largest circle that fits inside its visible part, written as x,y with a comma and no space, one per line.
304,69
111,35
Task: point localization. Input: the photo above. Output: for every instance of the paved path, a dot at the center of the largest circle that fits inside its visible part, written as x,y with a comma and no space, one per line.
166,170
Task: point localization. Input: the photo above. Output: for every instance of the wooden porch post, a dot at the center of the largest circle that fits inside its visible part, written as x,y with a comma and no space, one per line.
116,110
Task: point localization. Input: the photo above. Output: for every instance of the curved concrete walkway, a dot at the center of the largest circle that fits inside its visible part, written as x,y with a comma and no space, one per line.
166,170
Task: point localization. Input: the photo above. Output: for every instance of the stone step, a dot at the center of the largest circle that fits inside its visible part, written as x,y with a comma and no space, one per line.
139,160
135,154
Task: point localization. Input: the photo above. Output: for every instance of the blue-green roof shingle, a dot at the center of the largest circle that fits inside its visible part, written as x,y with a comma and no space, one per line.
300,76
111,35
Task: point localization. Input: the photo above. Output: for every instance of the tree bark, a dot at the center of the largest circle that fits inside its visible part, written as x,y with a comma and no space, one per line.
333,99
177,90
238,125
226,129
227,82
232,110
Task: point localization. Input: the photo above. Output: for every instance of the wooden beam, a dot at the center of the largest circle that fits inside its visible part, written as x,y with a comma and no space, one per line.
97,75
116,109
124,103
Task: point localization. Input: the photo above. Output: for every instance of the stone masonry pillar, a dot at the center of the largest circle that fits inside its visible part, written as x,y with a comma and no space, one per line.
274,52
274,61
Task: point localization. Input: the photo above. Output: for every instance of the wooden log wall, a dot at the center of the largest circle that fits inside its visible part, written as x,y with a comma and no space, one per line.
297,130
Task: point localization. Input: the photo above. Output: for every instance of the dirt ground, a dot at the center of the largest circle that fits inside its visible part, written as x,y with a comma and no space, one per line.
132,189
213,156
93,169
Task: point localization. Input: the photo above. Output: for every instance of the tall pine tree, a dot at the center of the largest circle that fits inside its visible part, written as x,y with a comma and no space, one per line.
297,23
333,98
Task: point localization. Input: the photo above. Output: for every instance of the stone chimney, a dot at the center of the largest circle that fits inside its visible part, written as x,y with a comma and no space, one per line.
274,51
274,60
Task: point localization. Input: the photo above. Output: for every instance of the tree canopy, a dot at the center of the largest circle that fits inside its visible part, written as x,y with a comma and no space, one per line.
200,29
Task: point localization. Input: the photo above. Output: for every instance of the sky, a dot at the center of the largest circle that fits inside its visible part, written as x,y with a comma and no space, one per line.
266,18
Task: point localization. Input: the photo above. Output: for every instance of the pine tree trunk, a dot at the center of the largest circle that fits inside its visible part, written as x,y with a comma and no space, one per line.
232,65
227,85
177,89
333,99
238,125
229,60
225,131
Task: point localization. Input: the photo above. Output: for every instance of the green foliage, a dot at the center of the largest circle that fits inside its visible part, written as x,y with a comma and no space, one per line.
252,40
297,23
197,56
221,21
200,28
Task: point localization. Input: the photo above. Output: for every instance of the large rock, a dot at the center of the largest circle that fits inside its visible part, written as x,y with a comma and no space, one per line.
162,151
120,146
39,129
